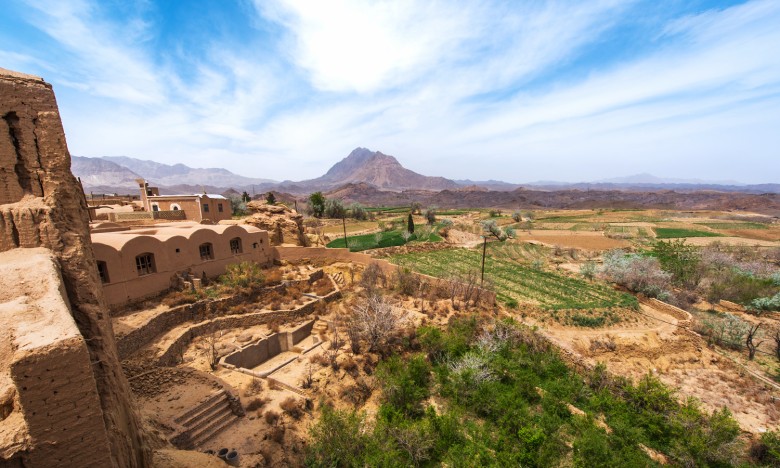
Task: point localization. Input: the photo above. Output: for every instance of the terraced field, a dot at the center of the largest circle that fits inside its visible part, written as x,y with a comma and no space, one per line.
515,281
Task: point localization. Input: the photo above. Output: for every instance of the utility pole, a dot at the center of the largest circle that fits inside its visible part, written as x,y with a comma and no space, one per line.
484,251
344,225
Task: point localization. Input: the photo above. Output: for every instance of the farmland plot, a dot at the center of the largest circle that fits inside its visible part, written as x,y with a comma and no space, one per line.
517,282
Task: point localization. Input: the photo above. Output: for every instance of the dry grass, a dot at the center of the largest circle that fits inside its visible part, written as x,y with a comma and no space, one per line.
292,406
256,403
271,417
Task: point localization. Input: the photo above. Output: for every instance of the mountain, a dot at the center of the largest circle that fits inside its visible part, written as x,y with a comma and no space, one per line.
377,169
103,176
165,175
650,179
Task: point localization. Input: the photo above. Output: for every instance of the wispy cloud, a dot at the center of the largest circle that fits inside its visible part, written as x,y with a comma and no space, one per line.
519,90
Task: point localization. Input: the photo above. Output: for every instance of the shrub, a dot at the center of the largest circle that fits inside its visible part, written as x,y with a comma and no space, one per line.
292,406
338,439
763,304
256,403
373,276
254,387
242,275
430,215
358,212
404,383
178,298
334,209
271,417
587,321
375,321
588,270
406,281
637,273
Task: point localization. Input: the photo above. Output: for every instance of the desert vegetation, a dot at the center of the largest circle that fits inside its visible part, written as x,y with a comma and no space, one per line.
505,397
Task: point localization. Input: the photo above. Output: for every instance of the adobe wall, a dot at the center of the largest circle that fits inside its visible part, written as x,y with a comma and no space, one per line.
42,205
47,372
174,254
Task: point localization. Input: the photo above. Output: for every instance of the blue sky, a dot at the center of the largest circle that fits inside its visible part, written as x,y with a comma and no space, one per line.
517,91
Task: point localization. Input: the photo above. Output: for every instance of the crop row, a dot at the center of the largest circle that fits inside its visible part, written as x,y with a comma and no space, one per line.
519,282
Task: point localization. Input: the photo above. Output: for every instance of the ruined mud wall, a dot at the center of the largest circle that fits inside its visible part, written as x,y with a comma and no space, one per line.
41,205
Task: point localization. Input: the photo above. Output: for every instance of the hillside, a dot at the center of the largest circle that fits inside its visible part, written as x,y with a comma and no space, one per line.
166,175
103,176
377,169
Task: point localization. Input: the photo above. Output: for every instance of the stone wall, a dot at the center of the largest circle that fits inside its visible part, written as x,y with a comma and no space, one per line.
42,205
165,321
252,355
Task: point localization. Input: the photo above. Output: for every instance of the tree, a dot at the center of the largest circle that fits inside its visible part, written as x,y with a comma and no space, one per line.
410,224
376,321
416,208
317,204
334,209
358,212
430,215
517,217
492,229
245,197
680,259
270,198
752,332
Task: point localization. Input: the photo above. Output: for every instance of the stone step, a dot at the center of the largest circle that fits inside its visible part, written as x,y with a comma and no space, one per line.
215,432
204,405
204,429
207,414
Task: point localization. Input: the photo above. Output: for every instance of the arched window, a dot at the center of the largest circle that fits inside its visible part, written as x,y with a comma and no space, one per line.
206,251
103,271
144,264
175,207
235,246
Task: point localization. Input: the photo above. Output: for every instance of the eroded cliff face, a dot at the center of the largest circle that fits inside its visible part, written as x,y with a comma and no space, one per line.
284,225
41,205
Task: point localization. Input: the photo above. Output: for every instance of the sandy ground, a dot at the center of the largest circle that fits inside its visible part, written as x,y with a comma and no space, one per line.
587,240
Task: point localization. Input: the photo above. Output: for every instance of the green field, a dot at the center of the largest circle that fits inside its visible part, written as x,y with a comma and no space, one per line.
516,281
369,241
674,233
734,225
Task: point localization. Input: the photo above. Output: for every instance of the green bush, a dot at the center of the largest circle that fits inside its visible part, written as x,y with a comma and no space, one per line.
242,275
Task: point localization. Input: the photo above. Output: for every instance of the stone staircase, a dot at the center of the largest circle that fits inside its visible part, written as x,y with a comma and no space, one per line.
319,327
338,278
205,421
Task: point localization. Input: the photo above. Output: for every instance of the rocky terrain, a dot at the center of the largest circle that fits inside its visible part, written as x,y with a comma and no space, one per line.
468,197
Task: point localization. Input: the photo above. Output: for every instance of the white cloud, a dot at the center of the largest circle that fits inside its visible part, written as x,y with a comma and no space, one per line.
408,78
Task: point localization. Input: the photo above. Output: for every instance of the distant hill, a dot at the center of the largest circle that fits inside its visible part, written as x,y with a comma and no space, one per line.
166,175
360,171
103,176
376,169
117,174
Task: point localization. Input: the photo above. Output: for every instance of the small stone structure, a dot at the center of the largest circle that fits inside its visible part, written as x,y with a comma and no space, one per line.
254,354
